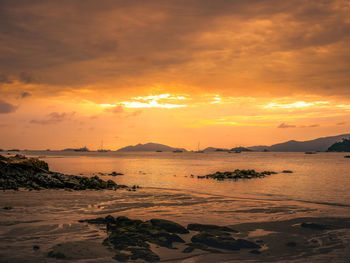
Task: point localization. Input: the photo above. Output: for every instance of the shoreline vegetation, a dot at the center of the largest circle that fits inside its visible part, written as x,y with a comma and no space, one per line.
33,174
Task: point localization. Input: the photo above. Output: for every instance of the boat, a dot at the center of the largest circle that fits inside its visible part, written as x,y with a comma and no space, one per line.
310,152
177,151
83,149
101,150
159,151
198,149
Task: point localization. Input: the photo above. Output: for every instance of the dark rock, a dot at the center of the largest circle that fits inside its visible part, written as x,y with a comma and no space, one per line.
115,174
222,240
201,227
287,171
7,207
255,252
134,236
57,255
122,257
291,244
314,226
33,174
169,226
237,174
145,254
36,247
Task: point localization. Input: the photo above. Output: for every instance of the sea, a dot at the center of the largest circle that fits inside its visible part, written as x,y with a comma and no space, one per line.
319,186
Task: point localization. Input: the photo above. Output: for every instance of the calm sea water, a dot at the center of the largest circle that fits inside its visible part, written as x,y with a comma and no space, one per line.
319,178
318,187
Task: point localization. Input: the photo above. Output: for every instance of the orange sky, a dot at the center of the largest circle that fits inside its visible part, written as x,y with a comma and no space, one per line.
225,73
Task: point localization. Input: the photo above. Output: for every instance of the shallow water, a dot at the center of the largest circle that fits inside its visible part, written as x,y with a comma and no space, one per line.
318,187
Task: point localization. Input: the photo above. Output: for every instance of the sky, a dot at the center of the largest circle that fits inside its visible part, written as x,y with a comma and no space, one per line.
224,73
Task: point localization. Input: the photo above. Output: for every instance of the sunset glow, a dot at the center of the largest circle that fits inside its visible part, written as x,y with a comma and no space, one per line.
173,73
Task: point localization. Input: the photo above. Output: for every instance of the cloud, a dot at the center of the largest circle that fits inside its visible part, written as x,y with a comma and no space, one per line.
6,107
26,77
53,118
115,110
260,47
5,79
25,94
309,126
285,126
119,110
134,114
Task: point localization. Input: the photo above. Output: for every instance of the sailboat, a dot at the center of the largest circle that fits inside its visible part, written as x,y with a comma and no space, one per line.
198,149
101,150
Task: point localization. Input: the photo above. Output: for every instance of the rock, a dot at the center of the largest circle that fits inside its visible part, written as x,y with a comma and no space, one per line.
115,174
57,255
145,254
131,238
291,244
255,252
122,257
33,174
314,226
201,227
169,226
287,171
222,240
237,174
36,247
7,207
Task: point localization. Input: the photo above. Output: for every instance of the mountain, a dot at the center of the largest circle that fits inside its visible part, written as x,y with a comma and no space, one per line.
213,149
320,144
343,146
258,148
241,149
149,147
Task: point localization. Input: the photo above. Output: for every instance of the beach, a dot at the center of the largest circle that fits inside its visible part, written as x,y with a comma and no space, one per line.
269,210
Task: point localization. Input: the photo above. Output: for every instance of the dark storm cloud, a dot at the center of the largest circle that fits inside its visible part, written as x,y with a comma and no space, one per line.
84,42
6,107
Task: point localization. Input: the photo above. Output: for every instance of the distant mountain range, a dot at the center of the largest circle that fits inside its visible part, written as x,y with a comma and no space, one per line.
320,144
149,147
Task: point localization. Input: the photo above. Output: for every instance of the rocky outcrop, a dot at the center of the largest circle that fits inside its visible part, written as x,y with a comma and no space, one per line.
34,174
130,238
237,174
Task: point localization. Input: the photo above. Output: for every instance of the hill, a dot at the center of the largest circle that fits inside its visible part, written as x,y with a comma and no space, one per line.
241,149
343,146
214,149
319,144
149,147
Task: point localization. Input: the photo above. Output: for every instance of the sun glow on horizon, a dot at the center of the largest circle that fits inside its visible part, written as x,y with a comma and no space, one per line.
151,101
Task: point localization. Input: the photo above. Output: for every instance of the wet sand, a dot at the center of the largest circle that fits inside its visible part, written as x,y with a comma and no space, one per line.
49,219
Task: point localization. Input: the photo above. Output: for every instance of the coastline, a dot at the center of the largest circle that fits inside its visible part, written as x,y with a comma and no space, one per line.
49,219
